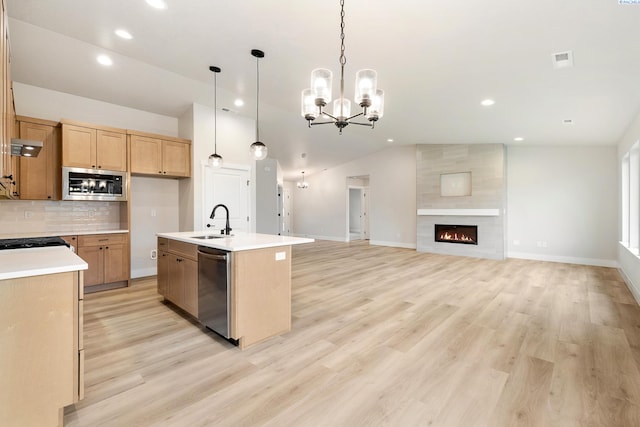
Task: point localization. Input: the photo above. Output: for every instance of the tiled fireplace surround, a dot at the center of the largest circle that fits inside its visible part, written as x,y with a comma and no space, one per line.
485,207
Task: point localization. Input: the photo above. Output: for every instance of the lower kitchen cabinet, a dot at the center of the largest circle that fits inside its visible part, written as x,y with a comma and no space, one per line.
108,259
41,348
178,274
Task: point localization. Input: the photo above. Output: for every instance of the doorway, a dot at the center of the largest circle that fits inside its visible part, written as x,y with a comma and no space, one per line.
357,208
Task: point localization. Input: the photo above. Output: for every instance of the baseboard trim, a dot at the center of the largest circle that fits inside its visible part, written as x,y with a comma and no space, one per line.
566,260
318,237
393,244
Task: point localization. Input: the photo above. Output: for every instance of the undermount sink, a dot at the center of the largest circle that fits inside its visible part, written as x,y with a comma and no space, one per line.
212,236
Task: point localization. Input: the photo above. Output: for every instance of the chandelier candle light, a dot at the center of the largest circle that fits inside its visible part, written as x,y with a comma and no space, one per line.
258,149
215,159
302,184
367,95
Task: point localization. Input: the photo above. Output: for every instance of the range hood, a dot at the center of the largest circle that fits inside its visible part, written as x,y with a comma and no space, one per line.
25,147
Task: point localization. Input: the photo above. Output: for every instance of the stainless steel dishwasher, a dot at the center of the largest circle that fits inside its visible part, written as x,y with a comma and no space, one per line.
214,267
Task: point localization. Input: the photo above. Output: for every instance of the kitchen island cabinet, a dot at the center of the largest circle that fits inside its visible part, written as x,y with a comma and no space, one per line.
41,344
178,274
259,293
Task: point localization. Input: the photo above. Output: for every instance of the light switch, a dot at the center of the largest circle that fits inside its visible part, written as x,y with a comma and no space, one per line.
281,256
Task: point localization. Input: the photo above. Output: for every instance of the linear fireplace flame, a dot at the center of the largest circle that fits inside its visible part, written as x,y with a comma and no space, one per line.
466,234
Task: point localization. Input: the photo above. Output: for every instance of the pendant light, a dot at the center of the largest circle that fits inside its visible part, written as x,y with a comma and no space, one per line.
302,184
258,149
367,95
215,159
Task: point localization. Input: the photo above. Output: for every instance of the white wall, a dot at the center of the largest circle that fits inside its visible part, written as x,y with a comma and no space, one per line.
562,197
154,209
320,211
48,104
629,262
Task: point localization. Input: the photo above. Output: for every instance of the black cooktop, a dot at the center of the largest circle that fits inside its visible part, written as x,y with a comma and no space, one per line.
31,242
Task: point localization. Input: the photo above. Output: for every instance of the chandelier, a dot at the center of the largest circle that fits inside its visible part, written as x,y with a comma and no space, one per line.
302,184
367,95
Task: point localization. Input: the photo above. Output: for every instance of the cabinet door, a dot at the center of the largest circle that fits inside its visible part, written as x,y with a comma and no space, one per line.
176,158
78,146
146,155
174,285
163,272
93,255
111,150
116,263
40,176
190,286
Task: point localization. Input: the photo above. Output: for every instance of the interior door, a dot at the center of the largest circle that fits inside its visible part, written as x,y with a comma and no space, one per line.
230,187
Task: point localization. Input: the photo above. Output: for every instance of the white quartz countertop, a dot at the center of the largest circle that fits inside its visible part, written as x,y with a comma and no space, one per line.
15,263
239,241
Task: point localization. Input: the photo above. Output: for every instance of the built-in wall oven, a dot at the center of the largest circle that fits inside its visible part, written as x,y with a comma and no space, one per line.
94,184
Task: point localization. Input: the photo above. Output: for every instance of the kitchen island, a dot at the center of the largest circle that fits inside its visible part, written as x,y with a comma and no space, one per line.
41,343
258,280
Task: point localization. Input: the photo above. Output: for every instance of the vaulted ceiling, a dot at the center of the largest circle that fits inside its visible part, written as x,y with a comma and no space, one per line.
436,61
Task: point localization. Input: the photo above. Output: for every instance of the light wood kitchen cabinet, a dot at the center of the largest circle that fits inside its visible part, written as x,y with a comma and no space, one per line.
72,241
108,258
40,178
159,156
178,274
42,348
93,147
7,112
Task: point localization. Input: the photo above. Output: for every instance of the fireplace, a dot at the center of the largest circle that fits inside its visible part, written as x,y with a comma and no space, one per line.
465,234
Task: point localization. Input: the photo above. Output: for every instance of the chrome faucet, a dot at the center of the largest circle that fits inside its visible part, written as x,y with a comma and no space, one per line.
227,229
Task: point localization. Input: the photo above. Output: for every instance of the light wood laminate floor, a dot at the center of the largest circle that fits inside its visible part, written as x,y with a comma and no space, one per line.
381,337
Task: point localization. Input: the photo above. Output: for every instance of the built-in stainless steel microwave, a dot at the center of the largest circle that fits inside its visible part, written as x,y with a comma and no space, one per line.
93,184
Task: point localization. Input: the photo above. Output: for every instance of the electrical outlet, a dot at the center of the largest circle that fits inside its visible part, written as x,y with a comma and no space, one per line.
27,214
154,254
280,256
153,212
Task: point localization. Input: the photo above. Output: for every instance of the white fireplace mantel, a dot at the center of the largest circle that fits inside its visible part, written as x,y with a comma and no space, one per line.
459,212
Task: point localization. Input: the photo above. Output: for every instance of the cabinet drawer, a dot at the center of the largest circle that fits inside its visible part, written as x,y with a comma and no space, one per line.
185,249
101,239
163,244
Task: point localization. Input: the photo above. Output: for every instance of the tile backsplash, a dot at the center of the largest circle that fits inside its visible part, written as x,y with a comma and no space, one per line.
28,216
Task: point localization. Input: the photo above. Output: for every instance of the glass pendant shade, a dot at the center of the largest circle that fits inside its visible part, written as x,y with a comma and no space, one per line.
376,111
258,151
215,160
308,102
366,85
321,81
342,108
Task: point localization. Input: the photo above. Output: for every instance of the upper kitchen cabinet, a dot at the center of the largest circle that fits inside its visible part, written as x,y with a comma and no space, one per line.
40,177
159,155
7,111
93,147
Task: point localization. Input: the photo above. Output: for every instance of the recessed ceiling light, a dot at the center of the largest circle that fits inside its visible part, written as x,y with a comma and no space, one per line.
390,140
518,138
123,34
238,102
158,4
488,102
104,60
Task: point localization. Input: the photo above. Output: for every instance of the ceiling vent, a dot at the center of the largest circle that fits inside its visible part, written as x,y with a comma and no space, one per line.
562,59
